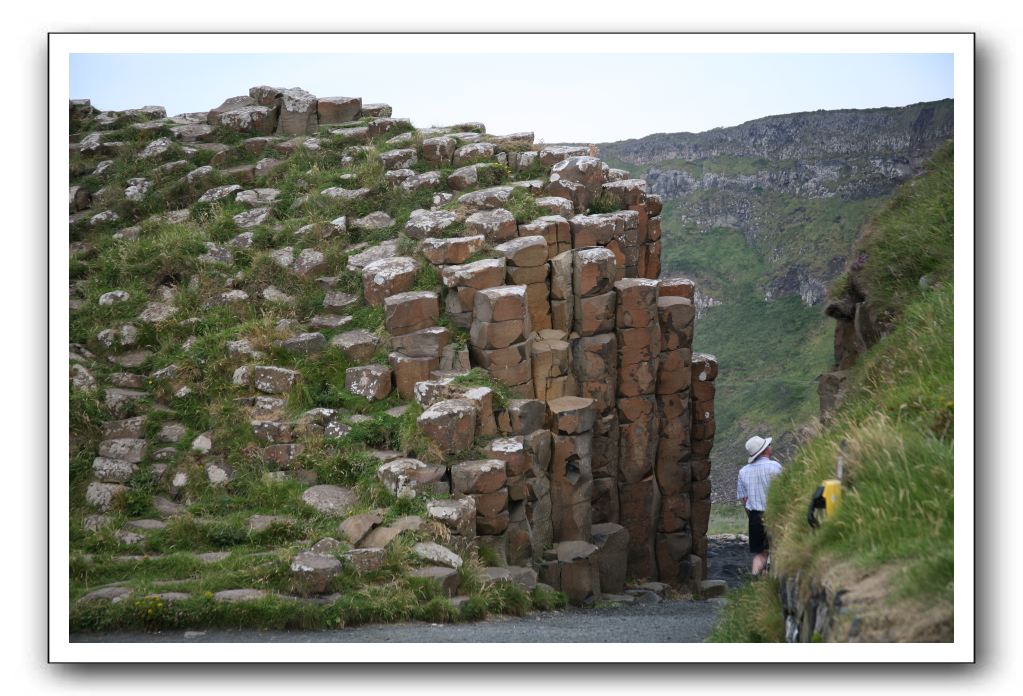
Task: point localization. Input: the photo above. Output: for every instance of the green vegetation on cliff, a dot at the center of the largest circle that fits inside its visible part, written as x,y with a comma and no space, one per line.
894,430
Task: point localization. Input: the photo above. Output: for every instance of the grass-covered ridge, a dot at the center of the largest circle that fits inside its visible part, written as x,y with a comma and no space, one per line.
894,431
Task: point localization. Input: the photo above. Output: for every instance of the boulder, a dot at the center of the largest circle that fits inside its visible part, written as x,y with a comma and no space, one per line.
127,449
427,223
486,199
398,159
337,109
297,112
451,424
251,218
386,277
435,553
358,345
357,262
418,182
407,312
408,371
447,578
479,476
334,501
524,251
500,304
355,528
405,476
108,470
424,343
552,154
311,572
343,193
366,560
593,271
305,343
271,379
440,149
473,152
571,415
457,514
454,250
370,381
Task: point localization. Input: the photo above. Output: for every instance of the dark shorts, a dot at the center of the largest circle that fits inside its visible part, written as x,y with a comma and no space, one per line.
758,541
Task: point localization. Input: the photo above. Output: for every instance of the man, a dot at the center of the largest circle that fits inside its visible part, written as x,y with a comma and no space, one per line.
754,480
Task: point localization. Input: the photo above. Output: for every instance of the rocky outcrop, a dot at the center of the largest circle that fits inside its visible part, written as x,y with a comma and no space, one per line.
579,455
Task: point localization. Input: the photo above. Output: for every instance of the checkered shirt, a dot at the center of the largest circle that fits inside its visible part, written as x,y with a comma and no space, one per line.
754,480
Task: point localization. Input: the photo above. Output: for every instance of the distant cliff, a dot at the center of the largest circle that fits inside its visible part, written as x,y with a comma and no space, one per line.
797,185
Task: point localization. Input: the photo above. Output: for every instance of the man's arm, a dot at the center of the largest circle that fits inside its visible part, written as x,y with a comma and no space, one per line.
740,490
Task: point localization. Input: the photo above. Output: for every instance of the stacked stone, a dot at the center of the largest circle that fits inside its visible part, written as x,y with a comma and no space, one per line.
485,482
594,365
551,356
579,179
618,231
639,347
704,372
553,228
561,298
570,420
499,337
527,460
631,195
526,264
674,541
463,281
418,345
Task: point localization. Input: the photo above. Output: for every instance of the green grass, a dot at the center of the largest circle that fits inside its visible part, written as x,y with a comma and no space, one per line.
897,425
728,518
752,614
910,238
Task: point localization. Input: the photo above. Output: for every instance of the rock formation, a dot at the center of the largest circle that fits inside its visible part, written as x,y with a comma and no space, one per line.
593,473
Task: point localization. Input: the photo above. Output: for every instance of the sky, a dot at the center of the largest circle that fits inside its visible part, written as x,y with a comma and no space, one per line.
560,97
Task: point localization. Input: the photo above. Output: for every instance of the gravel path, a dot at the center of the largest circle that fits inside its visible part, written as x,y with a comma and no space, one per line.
674,621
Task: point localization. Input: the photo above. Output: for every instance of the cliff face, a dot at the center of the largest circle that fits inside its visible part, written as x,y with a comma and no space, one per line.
757,177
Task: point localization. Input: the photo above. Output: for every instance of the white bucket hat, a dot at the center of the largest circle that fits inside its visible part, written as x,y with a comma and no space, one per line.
755,445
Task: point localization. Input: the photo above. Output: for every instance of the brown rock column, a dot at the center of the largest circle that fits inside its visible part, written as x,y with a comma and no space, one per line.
485,481
527,467
463,281
551,356
639,347
704,372
672,468
570,419
499,336
595,354
526,264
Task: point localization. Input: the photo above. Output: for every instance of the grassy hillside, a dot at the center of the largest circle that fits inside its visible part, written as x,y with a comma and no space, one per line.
895,430
165,246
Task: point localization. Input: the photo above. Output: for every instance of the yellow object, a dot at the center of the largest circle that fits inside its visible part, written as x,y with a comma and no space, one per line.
832,495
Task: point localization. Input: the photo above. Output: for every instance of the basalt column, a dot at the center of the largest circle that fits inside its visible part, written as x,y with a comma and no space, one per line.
594,363
704,372
526,264
499,336
570,419
674,541
639,347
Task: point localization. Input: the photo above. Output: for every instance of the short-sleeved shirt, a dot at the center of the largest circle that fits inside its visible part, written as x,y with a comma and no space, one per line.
754,480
